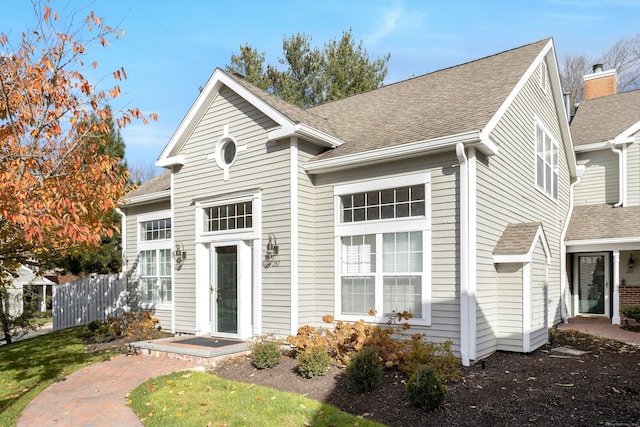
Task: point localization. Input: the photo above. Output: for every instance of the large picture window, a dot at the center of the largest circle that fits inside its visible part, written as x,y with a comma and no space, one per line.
546,163
154,249
382,238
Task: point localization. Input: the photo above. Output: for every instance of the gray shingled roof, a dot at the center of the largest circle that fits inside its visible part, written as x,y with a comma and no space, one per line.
451,101
603,222
291,111
602,119
517,239
154,185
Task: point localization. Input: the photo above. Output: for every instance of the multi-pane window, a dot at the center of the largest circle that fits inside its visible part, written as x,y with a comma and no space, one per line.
155,276
383,204
234,216
383,268
157,229
546,163
396,287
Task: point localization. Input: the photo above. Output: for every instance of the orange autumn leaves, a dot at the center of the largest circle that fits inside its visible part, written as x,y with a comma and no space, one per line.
56,186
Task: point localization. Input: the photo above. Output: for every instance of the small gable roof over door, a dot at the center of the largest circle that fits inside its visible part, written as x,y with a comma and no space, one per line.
291,120
518,241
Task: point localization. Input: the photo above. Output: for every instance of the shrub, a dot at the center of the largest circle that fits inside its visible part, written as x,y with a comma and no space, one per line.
631,311
439,355
266,353
94,326
364,372
425,388
104,333
313,362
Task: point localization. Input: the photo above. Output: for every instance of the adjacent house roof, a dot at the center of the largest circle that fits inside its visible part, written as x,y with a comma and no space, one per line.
605,118
598,222
156,188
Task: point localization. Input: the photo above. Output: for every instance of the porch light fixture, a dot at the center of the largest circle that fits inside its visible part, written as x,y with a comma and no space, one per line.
272,252
631,264
179,254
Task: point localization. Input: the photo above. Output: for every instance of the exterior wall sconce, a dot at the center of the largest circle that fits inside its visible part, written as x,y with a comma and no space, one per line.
179,254
631,264
272,252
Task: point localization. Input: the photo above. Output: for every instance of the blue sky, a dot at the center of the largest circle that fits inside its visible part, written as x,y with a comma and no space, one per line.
172,47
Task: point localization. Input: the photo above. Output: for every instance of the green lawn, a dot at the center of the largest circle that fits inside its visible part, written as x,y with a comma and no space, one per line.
27,367
185,399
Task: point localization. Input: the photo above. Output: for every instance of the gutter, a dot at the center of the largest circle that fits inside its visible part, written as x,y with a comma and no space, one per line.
564,316
475,139
622,175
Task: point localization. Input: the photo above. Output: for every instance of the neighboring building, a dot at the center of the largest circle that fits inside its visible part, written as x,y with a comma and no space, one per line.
603,238
446,195
30,286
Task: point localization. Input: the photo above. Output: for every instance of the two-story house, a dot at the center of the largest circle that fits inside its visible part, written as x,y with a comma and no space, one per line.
603,237
446,195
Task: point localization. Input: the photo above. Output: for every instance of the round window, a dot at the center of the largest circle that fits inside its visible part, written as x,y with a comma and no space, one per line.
228,152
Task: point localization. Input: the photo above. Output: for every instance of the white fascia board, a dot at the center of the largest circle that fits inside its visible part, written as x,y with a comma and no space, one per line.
628,133
594,146
472,139
595,245
204,99
167,162
512,259
146,198
307,132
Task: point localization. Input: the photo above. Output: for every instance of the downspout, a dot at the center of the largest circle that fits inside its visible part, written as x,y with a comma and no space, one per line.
123,254
464,254
622,193
564,315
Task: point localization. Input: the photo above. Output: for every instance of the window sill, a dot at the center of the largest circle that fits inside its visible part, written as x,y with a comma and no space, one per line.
383,321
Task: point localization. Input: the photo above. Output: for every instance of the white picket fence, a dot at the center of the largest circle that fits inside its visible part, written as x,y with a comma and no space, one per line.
85,300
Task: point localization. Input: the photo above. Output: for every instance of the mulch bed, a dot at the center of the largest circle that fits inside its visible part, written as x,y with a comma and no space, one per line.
601,387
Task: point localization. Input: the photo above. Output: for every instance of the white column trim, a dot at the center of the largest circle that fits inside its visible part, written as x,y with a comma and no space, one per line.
294,233
615,317
526,307
472,229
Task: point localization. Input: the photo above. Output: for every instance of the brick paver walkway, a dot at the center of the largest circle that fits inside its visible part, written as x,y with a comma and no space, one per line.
95,396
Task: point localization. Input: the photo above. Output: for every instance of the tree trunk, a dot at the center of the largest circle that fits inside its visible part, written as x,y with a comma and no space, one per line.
4,317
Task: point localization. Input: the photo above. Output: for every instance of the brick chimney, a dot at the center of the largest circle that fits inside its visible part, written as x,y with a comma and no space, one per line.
599,83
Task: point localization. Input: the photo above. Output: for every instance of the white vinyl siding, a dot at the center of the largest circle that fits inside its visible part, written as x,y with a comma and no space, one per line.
507,193
261,166
599,183
509,302
442,208
132,258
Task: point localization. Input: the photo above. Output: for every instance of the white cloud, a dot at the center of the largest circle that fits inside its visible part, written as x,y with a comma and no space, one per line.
389,25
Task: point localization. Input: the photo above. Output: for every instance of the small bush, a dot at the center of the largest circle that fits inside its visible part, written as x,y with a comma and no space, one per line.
631,311
266,353
313,362
94,326
425,388
104,333
439,355
364,372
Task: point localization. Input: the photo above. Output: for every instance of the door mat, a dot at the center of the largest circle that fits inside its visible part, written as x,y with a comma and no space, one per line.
208,342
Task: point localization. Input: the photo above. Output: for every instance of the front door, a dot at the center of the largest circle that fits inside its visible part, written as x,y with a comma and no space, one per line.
226,290
591,291
230,290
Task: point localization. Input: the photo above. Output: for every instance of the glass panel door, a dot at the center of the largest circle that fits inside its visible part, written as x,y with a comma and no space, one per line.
226,289
593,283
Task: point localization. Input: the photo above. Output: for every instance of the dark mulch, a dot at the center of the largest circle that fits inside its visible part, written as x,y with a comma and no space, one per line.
601,387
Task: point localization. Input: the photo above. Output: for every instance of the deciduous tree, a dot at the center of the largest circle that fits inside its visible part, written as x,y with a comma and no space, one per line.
57,180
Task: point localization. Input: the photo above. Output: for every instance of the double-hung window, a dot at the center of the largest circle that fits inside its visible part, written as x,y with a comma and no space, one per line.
154,249
546,162
382,247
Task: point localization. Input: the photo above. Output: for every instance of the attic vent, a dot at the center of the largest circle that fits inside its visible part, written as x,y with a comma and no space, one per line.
543,76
